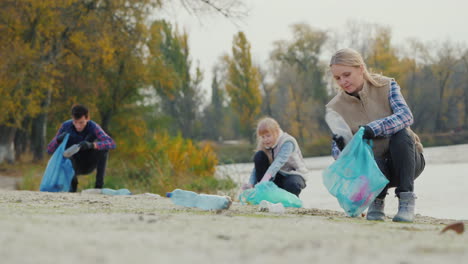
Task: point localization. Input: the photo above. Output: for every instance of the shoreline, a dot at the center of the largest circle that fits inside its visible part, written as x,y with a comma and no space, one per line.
77,228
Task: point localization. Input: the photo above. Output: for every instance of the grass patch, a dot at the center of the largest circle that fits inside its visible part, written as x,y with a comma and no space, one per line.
444,139
240,152
320,146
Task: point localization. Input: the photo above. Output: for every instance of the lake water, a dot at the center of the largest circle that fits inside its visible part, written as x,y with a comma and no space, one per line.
441,188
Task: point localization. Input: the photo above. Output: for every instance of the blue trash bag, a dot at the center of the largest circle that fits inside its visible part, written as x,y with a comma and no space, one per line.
268,191
59,172
354,178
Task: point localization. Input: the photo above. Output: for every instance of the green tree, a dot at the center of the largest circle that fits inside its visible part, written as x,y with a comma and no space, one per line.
447,59
242,85
178,90
214,113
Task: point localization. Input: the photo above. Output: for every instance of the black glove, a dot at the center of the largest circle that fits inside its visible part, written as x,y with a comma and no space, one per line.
85,145
90,138
368,132
61,137
339,140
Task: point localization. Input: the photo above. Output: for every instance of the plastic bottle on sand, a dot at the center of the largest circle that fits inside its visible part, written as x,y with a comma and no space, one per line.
107,191
202,201
92,191
115,192
277,208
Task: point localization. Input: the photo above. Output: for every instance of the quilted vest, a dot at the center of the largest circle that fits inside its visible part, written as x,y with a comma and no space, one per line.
371,105
295,163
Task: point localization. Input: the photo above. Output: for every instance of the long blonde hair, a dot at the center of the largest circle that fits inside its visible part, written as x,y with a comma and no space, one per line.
352,58
266,125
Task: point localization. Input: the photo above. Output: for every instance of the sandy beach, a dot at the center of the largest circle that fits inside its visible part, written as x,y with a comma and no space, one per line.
39,227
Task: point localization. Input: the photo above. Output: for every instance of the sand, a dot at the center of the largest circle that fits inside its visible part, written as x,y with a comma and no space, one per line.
39,227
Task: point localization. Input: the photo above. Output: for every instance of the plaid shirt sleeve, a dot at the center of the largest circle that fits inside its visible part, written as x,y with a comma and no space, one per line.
401,117
104,140
54,144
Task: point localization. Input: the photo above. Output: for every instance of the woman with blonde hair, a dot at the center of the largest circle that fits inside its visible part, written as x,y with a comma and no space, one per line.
376,103
277,158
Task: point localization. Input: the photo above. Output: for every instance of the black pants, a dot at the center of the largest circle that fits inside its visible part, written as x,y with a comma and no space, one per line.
402,164
290,182
85,162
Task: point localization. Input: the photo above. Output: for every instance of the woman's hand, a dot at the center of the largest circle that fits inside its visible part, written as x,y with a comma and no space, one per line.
246,186
339,141
368,132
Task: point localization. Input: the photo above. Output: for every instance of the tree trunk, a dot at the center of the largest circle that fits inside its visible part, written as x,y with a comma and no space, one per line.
267,101
7,148
465,125
440,124
39,128
105,120
22,141
38,137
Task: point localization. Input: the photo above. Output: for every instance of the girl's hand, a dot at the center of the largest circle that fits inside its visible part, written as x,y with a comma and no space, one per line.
246,186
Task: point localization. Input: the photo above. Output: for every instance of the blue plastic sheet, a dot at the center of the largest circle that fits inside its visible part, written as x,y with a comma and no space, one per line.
59,172
268,191
354,178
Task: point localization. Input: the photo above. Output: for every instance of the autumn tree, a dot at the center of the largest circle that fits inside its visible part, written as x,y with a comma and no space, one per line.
300,80
465,87
242,84
442,64
267,90
115,63
214,113
34,35
355,34
382,58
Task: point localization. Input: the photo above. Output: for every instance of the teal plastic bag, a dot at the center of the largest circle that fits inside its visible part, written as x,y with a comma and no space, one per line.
354,178
268,191
59,171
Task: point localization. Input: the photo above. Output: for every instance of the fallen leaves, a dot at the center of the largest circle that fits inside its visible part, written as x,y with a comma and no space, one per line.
458,227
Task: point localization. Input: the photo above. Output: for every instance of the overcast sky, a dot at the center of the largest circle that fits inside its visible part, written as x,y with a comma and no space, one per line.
270,20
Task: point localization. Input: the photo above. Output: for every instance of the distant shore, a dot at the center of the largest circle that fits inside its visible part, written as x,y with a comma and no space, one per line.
41,227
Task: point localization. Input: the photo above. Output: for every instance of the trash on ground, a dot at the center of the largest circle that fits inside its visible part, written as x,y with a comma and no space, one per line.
92,191
107,191
268,191
202,201
277,208
458,227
